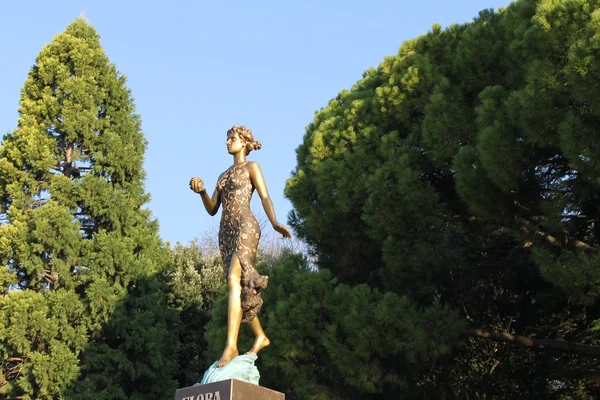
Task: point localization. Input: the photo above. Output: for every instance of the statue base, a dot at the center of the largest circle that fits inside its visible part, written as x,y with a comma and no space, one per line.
231,389
241,368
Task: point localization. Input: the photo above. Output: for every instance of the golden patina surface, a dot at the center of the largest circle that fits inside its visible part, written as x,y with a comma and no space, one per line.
239,234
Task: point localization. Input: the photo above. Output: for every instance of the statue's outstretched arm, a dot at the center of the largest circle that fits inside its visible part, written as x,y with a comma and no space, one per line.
211,204
259,183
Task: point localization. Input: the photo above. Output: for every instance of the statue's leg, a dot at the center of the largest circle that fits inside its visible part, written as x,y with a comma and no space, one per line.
234,311
260,339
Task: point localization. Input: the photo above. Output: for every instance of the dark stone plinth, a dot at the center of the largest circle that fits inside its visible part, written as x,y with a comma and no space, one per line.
231,389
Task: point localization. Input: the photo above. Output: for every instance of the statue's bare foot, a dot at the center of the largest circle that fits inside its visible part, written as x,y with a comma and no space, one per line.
259,343
228,354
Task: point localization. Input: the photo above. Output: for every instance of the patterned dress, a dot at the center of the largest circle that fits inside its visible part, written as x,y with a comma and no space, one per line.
239,234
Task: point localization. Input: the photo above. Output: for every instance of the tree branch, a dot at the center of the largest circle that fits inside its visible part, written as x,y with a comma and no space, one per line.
68,165
551,344
554,241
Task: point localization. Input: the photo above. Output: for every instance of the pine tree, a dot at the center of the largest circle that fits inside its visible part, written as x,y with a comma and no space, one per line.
82,311
464,170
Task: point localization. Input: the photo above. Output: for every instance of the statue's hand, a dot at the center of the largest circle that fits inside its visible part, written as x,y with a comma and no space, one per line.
285,232
197,185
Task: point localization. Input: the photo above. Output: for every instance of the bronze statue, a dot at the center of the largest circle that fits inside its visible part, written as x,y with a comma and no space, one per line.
239,233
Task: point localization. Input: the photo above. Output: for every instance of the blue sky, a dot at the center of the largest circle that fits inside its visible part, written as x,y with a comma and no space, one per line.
195,68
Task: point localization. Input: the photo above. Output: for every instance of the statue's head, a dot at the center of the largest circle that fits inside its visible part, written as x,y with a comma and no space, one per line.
245,135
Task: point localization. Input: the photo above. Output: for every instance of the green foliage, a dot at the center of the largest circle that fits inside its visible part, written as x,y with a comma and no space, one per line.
44,329
336,341
194,282
195,278
83,313
463,172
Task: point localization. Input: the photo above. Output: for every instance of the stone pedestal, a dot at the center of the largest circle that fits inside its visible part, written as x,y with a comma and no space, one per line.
230,389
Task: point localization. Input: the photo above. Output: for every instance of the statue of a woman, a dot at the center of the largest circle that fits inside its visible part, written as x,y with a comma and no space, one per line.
239,233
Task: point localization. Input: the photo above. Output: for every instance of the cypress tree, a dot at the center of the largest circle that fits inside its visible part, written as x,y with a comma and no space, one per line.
82,312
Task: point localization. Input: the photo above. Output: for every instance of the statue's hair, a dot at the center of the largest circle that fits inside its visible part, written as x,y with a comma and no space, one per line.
246,134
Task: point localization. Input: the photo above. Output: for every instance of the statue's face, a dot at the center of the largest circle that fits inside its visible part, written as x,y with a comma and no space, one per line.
235,144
